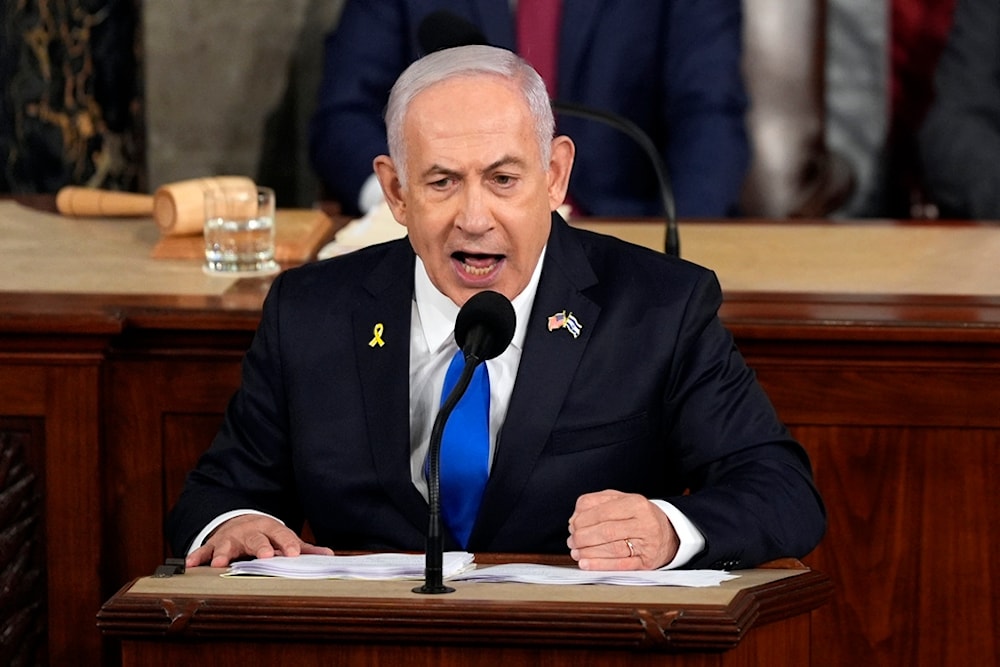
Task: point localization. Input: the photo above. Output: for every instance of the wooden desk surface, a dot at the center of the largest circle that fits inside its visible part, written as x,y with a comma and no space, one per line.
827,257
653,618
45,252
873,279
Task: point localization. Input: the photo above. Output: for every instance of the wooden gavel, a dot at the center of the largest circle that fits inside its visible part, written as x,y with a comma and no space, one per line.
177,208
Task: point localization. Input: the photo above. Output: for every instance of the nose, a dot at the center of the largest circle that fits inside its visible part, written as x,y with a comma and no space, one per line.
475,216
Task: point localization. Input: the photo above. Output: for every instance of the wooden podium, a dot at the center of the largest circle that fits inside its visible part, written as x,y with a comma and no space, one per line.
761,618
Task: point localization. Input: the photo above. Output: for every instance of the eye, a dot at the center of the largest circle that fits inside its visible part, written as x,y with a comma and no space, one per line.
504,180
442,183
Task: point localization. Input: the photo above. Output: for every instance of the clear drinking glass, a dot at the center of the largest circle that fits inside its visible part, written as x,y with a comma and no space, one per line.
239,230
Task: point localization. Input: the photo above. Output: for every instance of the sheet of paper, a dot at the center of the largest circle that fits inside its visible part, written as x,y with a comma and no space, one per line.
530,573
370,566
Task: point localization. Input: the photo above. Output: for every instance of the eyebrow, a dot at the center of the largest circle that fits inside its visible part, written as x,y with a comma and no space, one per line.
436,170
504,161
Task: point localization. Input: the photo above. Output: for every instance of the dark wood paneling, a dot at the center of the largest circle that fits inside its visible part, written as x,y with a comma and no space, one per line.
875,392
185,438
912,530
239,654
232,654
23,613
167,411
64,396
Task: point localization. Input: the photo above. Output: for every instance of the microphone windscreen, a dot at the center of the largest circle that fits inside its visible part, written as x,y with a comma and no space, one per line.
485,325
442,29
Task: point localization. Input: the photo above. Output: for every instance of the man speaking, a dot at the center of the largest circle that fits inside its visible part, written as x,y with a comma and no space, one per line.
620,425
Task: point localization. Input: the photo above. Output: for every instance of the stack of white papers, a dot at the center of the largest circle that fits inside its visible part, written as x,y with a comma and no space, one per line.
370,566
459,566
529,573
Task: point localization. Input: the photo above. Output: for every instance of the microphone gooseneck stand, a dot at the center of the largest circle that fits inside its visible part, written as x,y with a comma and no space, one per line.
672,244
483,330
433,566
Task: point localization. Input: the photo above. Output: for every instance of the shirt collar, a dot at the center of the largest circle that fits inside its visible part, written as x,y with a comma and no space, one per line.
438,312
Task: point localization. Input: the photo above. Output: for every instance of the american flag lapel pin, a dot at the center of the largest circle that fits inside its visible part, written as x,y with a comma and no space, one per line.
564,320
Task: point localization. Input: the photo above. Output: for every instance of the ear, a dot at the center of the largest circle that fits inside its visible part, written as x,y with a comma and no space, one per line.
388,178
560,166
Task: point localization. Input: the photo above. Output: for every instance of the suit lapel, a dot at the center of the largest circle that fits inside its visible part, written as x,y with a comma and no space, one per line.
548,364
384,375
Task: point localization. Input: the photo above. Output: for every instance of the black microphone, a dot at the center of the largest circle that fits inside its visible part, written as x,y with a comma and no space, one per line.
485,326
444,30
483,330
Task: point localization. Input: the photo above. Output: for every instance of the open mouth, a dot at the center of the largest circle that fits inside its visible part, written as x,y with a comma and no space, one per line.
477,265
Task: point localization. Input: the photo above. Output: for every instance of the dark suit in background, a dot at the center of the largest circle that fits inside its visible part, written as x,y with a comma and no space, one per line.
960,138
671,66
652,398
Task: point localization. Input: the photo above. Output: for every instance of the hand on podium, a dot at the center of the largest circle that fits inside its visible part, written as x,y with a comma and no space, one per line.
611,530
256,535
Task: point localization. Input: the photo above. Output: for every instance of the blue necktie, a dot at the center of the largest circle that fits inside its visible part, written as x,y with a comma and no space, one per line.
465,450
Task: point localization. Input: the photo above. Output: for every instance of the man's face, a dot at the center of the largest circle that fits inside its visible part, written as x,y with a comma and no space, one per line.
477,201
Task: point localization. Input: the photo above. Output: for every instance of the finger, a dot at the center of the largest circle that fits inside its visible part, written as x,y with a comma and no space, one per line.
603,506
313,549
589,501
223,552
286,542
259,545
605,539
626,554
306,548
202,554
608,522
620,564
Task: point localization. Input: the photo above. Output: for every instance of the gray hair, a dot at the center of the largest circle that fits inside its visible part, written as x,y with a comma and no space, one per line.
467,61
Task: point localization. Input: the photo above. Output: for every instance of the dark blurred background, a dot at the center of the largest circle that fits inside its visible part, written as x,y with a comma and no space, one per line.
128,95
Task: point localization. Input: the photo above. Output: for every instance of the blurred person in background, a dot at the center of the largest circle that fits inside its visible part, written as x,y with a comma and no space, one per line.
960,138
672,67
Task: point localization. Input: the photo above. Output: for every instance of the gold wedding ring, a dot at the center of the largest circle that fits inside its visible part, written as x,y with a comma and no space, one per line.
631,549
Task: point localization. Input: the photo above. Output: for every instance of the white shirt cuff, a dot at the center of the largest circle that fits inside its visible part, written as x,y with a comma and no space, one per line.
371,195
219,520
690,538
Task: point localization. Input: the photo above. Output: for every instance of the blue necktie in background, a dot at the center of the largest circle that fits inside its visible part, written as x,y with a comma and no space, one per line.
465,450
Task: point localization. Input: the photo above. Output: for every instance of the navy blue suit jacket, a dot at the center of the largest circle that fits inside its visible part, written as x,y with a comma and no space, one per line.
670,66
651,398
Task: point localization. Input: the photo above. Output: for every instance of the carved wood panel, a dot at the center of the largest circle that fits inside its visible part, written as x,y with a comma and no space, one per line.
910,543
22,544
904,443
51,407
154,439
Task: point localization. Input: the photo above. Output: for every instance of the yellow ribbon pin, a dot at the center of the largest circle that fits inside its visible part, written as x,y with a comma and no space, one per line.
377,340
